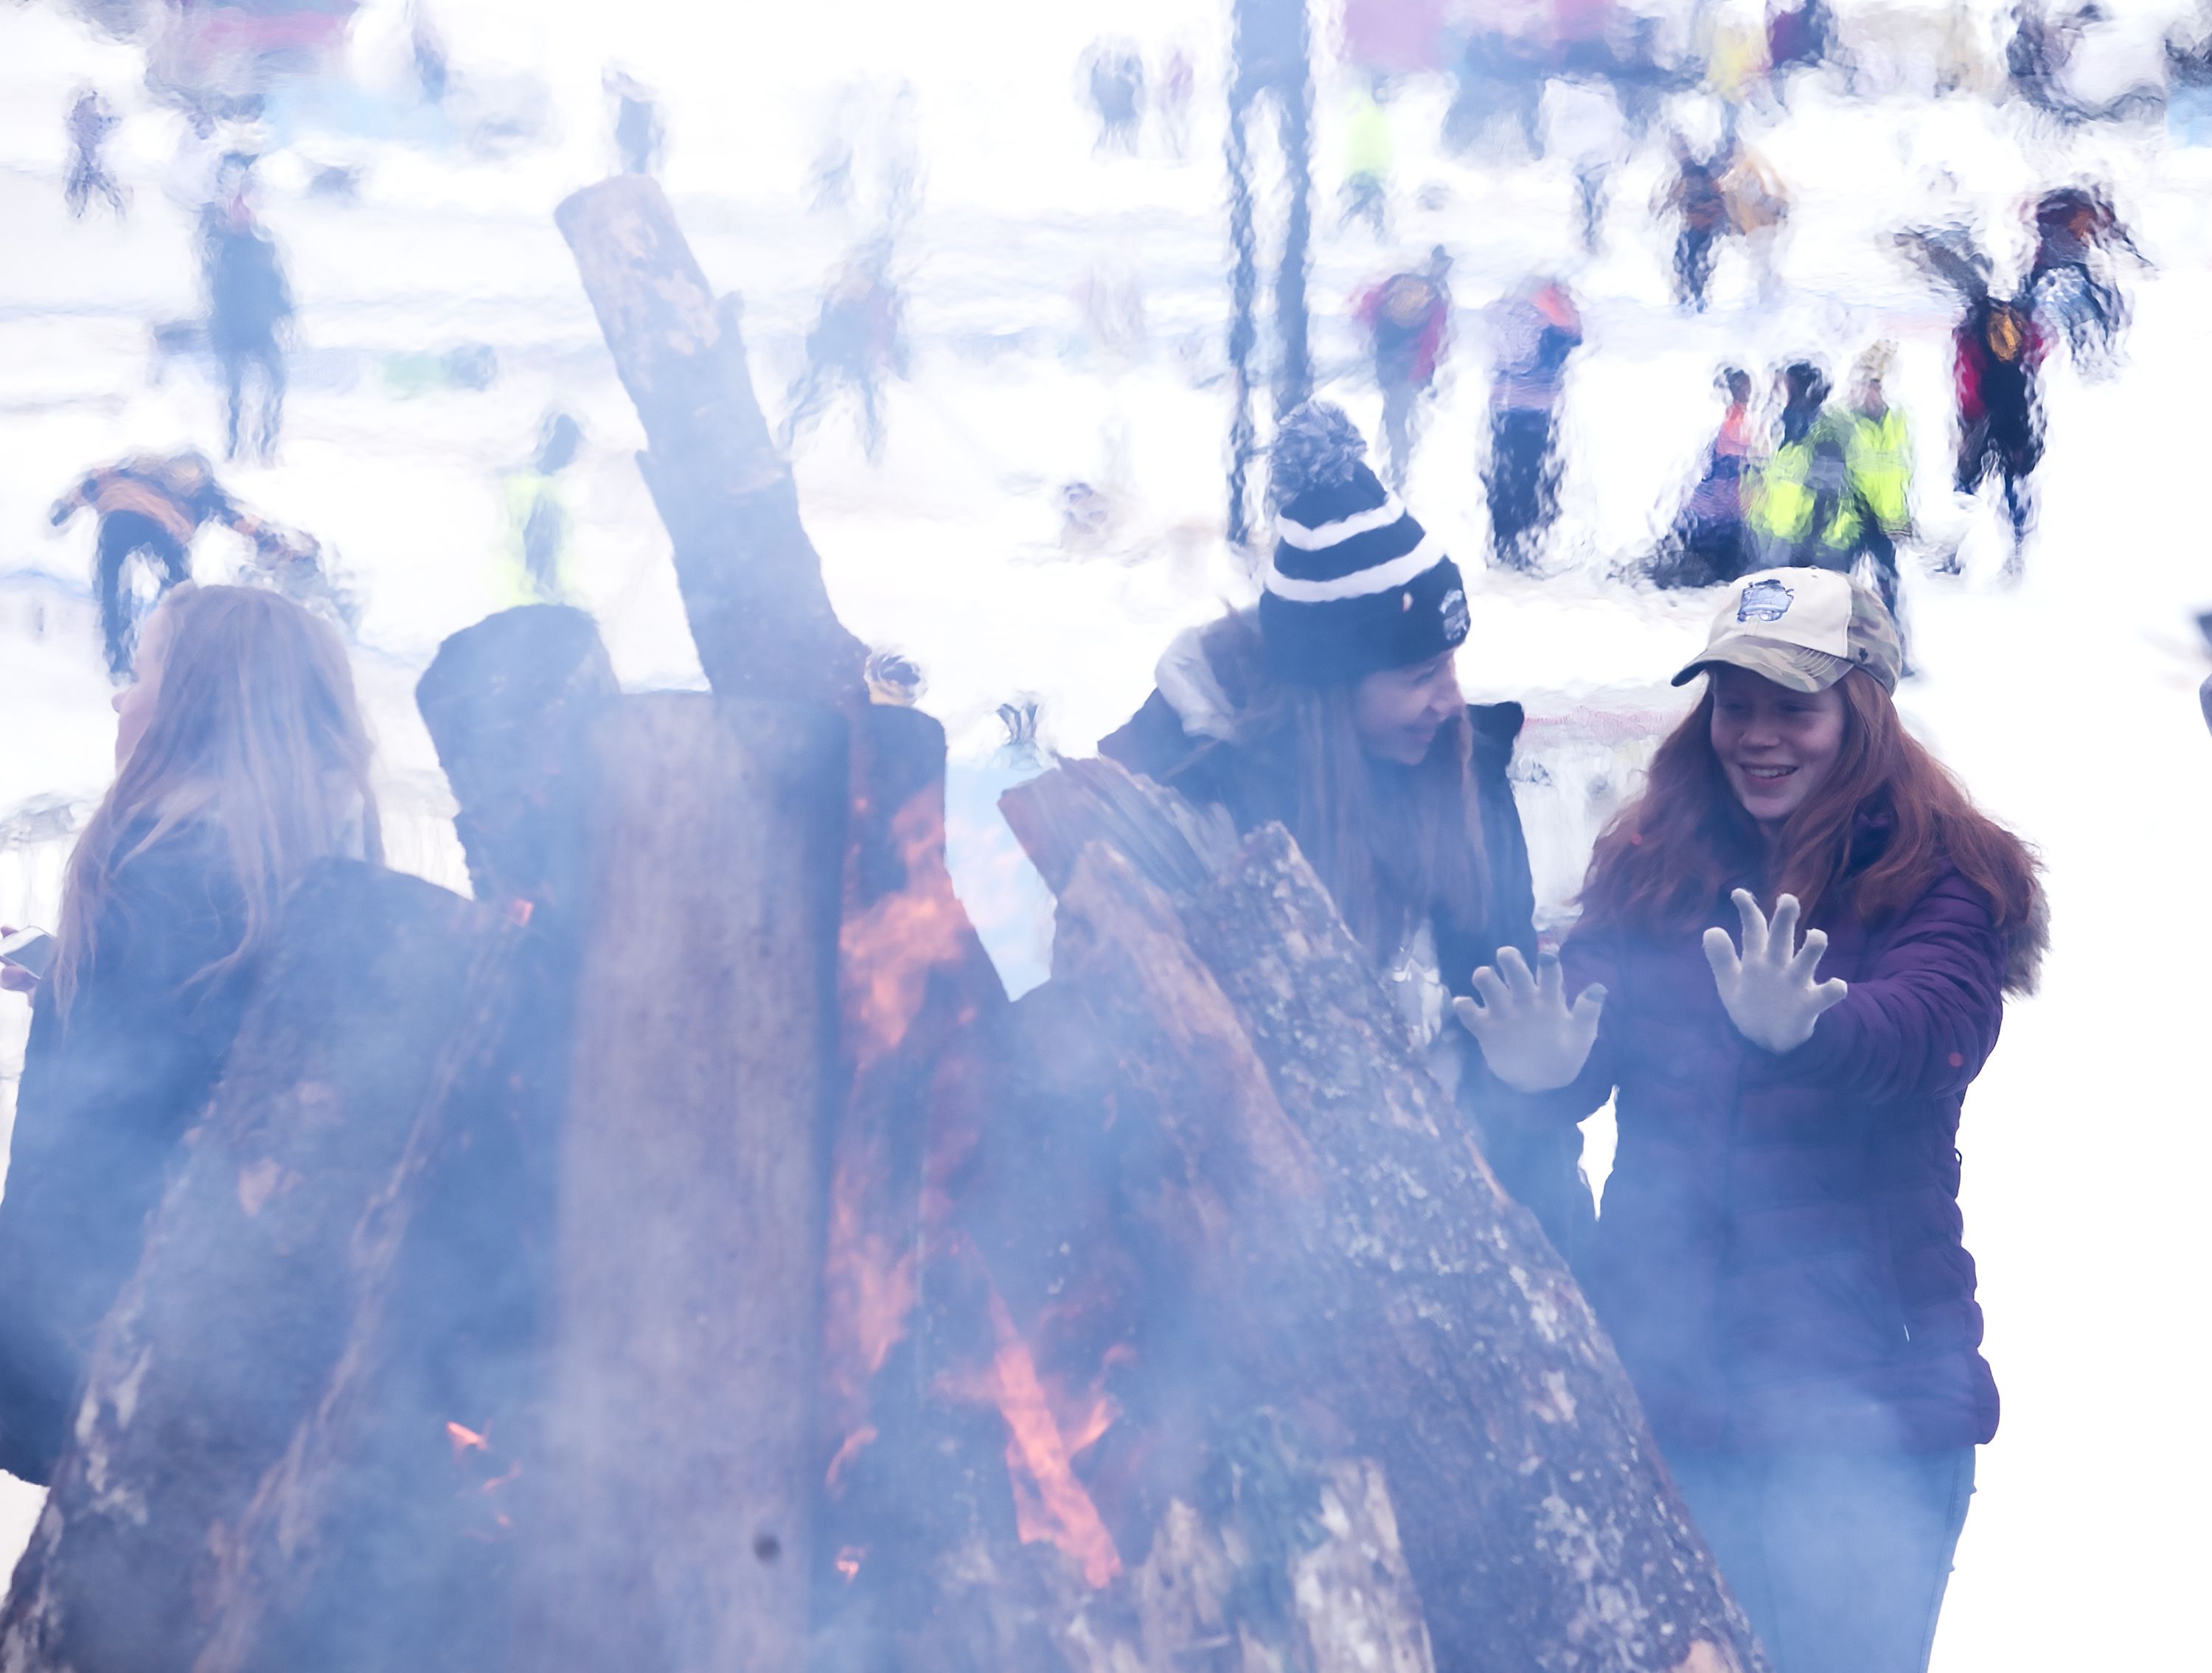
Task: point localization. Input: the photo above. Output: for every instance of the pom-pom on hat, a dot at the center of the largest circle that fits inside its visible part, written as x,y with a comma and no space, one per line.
1356,586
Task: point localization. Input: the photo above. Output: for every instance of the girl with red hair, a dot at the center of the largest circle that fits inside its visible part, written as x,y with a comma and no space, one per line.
1779,1257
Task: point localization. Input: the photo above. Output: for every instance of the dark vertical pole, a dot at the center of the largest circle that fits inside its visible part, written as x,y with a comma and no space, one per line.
1270,52
1244,289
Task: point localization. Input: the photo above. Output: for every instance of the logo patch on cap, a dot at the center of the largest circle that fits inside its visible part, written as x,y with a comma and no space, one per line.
1454,609
1764,601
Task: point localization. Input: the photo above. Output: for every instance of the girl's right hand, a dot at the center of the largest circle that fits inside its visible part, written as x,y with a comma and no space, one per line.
1530,1037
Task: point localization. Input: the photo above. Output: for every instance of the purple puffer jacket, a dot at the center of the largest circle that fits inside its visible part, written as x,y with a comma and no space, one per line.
1779,1258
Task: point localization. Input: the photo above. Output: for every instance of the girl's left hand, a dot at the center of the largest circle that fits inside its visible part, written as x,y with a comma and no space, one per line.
1769,992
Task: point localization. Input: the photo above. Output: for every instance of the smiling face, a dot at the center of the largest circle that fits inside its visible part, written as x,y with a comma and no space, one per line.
1776,746
1399,711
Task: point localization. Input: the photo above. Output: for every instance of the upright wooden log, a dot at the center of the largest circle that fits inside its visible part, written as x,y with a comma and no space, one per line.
379,990
750,579
1350,1253
678,1456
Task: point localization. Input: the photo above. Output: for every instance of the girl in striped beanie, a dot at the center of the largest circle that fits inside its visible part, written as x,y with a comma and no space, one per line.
1334,708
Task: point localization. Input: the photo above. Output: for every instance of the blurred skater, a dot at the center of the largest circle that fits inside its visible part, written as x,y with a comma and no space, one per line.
639,134
1695,198
1536,332
1877,512
249,312
1758,212
2072,282
859,336
1705,547
151,507
1114,76
1408,317
535,561
90,122
1368,151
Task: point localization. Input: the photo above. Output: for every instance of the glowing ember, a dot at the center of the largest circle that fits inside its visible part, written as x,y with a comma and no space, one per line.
846,1453
1049,1503
848,1561
466,1439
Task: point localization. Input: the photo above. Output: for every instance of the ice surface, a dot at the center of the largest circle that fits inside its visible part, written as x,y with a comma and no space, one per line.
2065,704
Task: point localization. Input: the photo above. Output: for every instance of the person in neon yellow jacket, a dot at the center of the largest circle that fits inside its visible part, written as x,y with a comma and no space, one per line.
1838,485
534,566
1368,150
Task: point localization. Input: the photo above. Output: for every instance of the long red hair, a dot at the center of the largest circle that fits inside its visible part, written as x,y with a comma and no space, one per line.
1670,855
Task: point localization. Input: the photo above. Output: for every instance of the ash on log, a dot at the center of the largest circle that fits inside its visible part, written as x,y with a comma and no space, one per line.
1352,1256
677,1495
379,993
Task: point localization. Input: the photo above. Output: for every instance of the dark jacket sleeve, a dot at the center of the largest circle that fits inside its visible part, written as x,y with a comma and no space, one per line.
107,1093
1531,1145
1152,742
1926,1020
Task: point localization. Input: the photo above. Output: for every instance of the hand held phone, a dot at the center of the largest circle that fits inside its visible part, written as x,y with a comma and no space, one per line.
31,949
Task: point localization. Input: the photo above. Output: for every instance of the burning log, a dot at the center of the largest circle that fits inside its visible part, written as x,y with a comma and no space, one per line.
1346,1254
677,1493
380,991
751,583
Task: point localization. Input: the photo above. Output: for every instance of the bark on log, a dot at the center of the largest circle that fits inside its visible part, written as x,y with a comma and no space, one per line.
1351,1250
379,990
678,1444
750,579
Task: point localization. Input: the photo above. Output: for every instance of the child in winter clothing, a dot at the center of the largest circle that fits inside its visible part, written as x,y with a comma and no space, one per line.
1780,1260
1334,710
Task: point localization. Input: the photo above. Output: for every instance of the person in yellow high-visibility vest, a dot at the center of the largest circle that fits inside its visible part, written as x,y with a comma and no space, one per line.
1877,475
535,563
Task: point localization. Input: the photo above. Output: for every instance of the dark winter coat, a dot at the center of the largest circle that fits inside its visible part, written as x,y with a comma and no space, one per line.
1779,1258
1173,739
105,1098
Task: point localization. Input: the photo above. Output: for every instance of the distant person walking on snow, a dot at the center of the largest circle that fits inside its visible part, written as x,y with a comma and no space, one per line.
1700,205
1178,81
249,310
1368,149
536,559
2071,281
1535,332
1706,546
90,122
152,507
1408,317
859,336
1114,76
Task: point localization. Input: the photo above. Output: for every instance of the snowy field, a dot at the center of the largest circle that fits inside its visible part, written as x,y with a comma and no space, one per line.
2066,703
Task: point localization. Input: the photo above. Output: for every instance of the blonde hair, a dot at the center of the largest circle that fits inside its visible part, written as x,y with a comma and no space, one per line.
255,733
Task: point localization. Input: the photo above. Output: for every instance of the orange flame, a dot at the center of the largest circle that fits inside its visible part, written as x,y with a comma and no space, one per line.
889,951
466,1439
849,1559
1049,1503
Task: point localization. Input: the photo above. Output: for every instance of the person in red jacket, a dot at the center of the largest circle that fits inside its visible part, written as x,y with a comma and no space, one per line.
1778,1258
1407,317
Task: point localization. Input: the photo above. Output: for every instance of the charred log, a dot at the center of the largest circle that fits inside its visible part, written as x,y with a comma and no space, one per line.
380,991
1356,1265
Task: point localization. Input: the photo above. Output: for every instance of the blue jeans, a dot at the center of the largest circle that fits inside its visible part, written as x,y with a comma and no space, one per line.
1840,1559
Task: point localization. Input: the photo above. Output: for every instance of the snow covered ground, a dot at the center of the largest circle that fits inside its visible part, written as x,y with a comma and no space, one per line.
2065,704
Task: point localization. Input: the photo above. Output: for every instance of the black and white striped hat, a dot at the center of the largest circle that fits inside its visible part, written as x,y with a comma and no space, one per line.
1356,585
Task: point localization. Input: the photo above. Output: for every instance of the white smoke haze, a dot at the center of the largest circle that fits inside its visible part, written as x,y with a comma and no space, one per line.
2065,702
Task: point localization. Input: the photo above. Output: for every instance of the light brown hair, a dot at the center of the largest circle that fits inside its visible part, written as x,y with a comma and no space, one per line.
255,731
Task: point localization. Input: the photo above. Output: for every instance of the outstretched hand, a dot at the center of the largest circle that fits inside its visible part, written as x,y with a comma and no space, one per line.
1769,991
1530,1037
